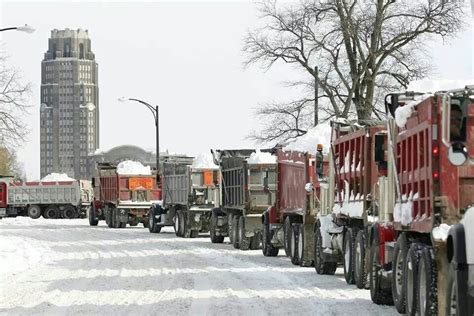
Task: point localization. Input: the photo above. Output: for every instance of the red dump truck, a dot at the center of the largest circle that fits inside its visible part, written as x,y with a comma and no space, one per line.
415,259
52,199
289,222
122,198
348,201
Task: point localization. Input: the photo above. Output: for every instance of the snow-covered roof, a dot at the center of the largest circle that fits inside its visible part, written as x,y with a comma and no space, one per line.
52,177
130,167
320,134
204,161
259,157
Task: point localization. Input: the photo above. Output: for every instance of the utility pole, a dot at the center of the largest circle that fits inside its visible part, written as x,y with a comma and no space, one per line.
316,96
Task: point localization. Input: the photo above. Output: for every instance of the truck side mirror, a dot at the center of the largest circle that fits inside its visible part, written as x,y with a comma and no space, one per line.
379,150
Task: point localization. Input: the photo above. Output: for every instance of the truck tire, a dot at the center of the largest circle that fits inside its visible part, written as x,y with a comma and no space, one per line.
69,212
108,217
457,291
411,278
255,241
427,283
235,231
287,231
51,211
212,230
399,257
304,262
230,228
34,211
295,257
182,225
176,223
93,221
244,242
194,233
152,224
267,248
360,275
320,265
378,294
348,262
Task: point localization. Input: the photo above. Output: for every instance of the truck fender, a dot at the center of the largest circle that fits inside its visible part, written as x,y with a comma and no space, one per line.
456,245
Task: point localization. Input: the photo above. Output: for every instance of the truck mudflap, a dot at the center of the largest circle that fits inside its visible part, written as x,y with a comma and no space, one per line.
253,224
198,219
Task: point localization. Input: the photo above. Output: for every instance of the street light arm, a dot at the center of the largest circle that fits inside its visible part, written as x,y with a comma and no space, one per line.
26,28
155,115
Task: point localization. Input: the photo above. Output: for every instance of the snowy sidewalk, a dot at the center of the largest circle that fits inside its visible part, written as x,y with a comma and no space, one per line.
67,267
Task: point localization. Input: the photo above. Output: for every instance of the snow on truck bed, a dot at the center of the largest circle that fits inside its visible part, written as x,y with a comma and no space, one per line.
204,161
53,177
259,157
320,134
130,167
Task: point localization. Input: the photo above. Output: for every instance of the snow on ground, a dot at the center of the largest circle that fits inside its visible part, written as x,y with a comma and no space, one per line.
56,177
320,134
204,161
66,267
130,167
259,157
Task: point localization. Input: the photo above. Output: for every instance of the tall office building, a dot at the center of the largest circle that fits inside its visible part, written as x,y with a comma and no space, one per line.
69,104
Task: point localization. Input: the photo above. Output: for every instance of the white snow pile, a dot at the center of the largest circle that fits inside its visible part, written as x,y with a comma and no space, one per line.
352,205
320,134
130,167
402,113
259,157
403,211
441,232
53,177
204,161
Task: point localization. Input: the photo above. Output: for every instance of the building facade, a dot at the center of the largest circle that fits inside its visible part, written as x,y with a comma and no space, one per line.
69,112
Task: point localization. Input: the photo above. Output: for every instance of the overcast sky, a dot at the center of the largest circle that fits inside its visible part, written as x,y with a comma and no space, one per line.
183,56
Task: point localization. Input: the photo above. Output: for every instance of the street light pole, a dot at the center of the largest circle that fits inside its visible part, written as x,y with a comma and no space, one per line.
155,112
25,28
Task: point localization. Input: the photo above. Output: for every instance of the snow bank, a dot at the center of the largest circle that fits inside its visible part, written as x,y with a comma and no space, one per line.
320,134
259,157
130,167
53,177
403,211
402,113
441,232
204,161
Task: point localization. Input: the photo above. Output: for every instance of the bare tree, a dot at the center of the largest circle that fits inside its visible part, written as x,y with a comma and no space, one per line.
14,97
362,48
9,165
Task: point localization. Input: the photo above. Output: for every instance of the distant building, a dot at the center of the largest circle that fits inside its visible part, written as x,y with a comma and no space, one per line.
69,113
131,152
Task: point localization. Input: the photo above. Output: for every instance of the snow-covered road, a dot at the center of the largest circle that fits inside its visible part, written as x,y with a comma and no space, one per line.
67,267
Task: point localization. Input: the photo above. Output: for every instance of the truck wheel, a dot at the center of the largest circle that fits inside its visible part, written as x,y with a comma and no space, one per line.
349,256
235,231
457,291
304,262
255,241
230,230
427,283
51,212
212,231
176,223
244,242
320,265
194,233
360,276
267,248
34,211
295,257
378,294
69,212
108,217
93,221
152,225
182,225
411,278
398,289
287,231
